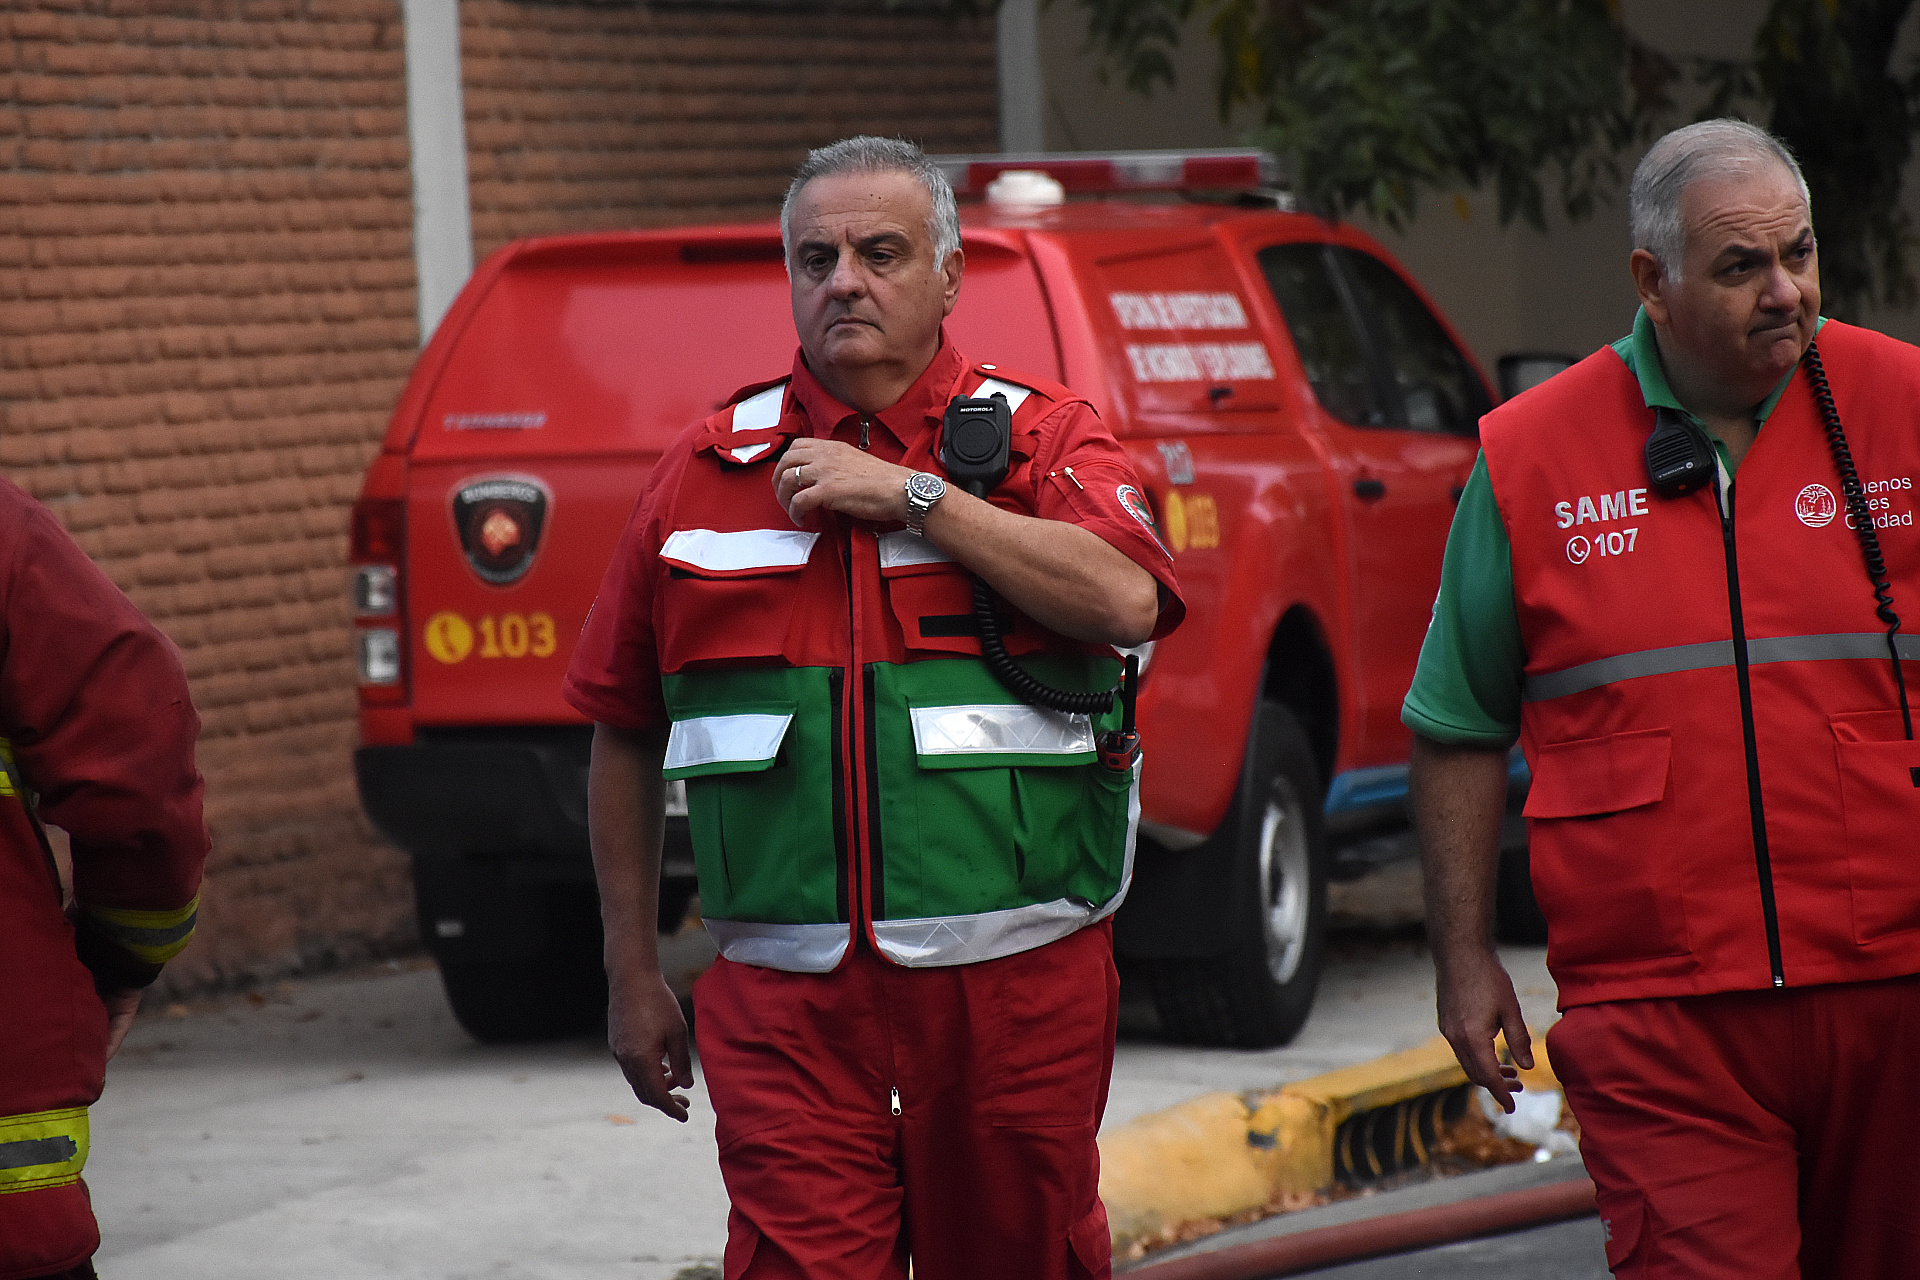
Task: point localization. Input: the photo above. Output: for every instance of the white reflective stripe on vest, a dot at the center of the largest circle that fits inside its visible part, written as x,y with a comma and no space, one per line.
1015,393
794,948
760,412
1713,653
900,549
746,549
999,729
714,739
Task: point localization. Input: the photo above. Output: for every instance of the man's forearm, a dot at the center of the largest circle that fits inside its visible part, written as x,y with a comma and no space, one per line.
626,817
1459,801
1068,579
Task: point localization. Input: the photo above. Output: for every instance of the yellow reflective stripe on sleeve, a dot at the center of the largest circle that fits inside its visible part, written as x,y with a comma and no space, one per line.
154,936
42,1149
7,771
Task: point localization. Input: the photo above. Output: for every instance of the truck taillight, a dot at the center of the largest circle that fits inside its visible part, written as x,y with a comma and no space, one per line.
377,549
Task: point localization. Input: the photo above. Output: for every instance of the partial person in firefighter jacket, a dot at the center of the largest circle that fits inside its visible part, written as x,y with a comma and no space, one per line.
1677,574
98,743
908,869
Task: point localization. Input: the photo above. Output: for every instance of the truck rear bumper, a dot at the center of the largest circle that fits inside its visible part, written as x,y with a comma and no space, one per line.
493,794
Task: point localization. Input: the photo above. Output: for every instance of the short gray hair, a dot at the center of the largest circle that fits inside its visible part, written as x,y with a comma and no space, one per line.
1709,149
867,154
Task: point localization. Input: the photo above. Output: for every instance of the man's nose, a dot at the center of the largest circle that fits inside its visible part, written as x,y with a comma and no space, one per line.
846,281
1782,292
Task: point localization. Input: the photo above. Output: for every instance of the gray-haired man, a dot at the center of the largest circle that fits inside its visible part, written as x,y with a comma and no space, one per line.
1668,578
908,1036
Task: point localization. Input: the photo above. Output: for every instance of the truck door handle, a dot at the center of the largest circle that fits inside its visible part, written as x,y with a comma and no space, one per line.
1369,489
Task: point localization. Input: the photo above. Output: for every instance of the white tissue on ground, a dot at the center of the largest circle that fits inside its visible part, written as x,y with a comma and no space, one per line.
1535,1121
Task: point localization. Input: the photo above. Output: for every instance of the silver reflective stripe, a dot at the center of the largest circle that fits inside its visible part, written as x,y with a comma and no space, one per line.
713,739
795,948
745,549
999,729
900,548
1015,393
760,412
936,941
1713,653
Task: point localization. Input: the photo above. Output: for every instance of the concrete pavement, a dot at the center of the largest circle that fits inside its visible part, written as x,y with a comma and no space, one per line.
346,1127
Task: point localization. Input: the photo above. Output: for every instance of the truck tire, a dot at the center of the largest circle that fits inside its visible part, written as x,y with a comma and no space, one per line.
1258,992
559,992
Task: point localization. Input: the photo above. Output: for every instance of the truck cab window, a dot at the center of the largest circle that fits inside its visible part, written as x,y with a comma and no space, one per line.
1332,351
1433,381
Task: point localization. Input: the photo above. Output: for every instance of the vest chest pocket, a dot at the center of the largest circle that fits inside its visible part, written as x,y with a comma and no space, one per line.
755,750
1597,835
1880,797
931,596
989,806
729,595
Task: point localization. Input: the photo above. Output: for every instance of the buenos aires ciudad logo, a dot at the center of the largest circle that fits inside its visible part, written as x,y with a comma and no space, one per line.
1816,506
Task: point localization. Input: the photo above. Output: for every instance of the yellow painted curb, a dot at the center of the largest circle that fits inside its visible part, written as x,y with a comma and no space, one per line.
1221,1153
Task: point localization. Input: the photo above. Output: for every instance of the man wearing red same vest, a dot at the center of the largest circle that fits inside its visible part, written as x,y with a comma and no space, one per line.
1677,577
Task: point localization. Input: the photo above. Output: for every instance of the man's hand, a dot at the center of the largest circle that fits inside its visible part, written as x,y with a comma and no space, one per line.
831,474
1476,999
648,1036
121,1006
1459,798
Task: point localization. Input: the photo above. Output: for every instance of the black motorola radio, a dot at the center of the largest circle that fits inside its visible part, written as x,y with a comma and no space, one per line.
976,438
1679,458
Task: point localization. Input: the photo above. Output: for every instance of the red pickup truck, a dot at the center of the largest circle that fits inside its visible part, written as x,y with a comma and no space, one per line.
1302,418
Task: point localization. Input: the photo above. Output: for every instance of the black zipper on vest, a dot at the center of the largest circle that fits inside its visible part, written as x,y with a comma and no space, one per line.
843,855
1756,808
876,858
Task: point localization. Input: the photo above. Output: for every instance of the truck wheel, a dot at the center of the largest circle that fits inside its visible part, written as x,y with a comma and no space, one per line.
1516,913
1258,993
557,993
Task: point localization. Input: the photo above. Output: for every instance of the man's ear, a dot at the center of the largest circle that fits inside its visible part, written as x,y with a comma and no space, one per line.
950,272
1650,281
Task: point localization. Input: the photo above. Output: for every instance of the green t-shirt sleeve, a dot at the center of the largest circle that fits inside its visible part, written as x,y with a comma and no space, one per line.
1466,690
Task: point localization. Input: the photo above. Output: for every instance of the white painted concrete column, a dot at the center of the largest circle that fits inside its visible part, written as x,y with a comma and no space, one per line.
1022,124
437,135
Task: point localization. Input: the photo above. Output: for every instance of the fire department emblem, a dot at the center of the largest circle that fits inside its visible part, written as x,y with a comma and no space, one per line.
1816,506
500,519
1136,506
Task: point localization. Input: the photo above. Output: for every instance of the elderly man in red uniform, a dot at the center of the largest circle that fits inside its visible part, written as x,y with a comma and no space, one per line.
98,742
908,870
1677,574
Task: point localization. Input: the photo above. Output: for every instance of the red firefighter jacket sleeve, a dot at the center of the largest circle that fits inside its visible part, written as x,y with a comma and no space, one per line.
94,702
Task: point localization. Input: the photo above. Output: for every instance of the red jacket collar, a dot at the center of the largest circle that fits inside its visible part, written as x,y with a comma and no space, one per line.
908,419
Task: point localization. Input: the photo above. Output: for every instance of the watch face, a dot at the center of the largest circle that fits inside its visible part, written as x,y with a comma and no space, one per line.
927,487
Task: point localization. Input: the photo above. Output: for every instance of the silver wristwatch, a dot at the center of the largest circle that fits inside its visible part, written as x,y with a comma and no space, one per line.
923,490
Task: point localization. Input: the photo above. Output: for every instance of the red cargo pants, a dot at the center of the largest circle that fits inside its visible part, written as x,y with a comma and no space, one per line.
1756,1135
878,1113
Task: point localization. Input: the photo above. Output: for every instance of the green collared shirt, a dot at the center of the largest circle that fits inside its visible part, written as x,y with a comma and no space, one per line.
1466,690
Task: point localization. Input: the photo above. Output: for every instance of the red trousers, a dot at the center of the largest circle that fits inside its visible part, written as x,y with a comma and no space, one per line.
1756,1135
877,1114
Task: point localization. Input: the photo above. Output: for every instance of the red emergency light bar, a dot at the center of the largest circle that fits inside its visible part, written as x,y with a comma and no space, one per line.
1108,172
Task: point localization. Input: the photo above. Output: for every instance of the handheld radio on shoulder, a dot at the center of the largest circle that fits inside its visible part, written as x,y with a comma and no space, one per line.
976,441
1679,458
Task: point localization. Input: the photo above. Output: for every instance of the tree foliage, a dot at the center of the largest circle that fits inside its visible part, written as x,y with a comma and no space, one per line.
1371,101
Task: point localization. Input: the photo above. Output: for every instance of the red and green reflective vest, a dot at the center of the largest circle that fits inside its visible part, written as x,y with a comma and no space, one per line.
1660,870
849,760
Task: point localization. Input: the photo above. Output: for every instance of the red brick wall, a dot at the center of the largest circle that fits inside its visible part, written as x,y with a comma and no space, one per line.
581,117
207,312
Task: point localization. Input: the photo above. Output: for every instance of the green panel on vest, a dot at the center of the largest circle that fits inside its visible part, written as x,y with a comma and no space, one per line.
763,840
987,832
